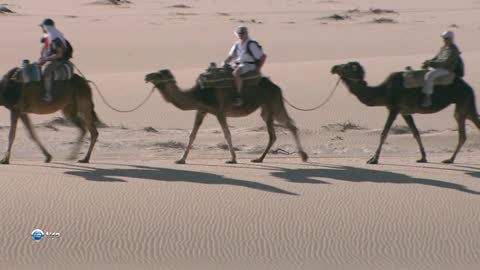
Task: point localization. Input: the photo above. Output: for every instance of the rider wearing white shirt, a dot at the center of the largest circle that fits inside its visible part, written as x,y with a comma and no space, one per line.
248,56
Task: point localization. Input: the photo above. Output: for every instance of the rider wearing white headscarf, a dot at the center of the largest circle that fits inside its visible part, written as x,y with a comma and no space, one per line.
447,61
53,54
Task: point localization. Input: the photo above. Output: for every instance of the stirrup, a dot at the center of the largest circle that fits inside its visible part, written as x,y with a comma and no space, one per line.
47,98
238,102
427,102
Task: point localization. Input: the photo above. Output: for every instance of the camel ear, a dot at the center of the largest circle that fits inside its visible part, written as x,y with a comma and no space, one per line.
357,64
168,73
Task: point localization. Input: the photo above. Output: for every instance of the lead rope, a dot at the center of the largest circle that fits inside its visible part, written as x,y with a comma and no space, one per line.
105,100
329,97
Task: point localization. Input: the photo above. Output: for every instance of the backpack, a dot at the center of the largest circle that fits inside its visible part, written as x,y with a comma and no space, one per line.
249,51
459,68
69,50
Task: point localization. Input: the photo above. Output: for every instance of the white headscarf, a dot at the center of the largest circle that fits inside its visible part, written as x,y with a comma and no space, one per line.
448,34
54,33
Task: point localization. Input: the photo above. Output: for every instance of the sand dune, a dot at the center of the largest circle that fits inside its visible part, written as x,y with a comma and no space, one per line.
337,214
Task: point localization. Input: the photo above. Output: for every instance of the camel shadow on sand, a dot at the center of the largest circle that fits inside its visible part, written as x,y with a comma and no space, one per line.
359,175
300,176
166,175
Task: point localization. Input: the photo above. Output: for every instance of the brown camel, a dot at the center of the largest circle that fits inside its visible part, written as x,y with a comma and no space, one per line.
407,101
73,97
218,102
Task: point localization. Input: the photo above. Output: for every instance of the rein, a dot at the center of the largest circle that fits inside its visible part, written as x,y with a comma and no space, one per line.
329,97
106,101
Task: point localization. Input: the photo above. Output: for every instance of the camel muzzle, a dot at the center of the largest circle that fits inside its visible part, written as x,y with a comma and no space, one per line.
148,78
335,69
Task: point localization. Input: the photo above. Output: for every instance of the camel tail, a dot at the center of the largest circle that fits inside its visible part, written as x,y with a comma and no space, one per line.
98,122
89,93
471,106
277,103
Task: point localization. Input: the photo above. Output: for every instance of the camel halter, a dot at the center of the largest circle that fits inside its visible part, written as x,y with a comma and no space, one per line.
329,97
351,79
166,81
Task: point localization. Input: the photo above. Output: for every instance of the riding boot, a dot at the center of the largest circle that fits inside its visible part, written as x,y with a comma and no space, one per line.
427,101
48,89
238,101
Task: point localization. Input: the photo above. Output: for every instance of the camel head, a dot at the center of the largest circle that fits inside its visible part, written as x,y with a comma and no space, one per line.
160,78
351,70
163,81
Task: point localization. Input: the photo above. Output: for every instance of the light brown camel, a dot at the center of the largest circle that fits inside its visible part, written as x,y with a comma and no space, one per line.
407,101
72,97
265,95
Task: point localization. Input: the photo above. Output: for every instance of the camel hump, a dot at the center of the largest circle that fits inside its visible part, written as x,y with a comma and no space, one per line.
416,79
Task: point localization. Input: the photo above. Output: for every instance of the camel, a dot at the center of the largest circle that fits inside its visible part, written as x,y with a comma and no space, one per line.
73,97
407,101
218,101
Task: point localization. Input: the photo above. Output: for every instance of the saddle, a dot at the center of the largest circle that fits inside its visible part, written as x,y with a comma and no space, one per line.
222,77
416,78
33,72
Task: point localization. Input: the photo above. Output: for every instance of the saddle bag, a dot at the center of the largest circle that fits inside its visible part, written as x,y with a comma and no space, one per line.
63,72
29,72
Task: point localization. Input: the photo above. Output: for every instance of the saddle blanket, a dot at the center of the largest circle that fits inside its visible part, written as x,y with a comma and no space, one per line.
222,77
416,79
33,73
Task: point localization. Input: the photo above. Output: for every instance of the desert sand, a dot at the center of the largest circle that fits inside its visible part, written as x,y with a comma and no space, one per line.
133,208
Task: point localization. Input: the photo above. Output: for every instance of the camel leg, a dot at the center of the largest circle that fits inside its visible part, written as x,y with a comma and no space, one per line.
267,117
72,116
196,126
474,118
462,136
78,144
282,117
14,115
294,130
228,137
90,123
391,118
28,124
416,135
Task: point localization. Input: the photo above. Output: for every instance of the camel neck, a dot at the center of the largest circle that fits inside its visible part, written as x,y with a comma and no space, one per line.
370,96
3,95
184,100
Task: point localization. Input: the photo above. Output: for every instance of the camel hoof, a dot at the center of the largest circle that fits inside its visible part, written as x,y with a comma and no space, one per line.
83,160
180,161
231,162
5,161
448,161
304,156
372,161
48,158
258,160
423,160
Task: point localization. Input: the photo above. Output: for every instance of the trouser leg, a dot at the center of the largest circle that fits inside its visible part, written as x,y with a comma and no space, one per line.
429,83
48,76
237,73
